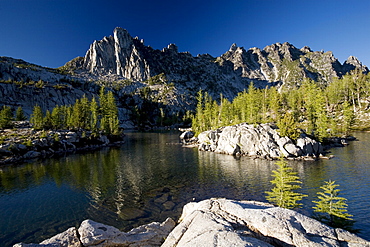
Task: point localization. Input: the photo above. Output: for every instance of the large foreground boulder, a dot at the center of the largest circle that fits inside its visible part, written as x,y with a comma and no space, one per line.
222,222
261,140
92,233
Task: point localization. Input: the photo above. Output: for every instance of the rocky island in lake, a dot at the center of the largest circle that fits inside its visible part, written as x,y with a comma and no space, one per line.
261,140
258,141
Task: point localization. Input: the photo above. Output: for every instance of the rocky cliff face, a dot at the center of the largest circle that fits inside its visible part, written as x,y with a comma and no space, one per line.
120,54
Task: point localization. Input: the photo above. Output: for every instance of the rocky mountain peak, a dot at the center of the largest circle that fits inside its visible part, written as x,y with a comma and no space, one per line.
353,63
233,47
283,51
122,38
118,55
305,49
171,48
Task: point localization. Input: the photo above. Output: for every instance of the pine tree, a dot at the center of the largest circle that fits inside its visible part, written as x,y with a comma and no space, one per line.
69,116
288,126
6,117
19,114
112,114
274,104
285,181
77,115
348,117
47,121
94,117
56,118
104,121
252,104
85,112
109,121
37,118
198,120
332,207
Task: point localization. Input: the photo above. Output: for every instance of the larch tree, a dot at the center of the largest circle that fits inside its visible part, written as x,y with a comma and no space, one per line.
6,117
37,118
47,121
331,208
19,114
94,117
56,117
112,114
285,183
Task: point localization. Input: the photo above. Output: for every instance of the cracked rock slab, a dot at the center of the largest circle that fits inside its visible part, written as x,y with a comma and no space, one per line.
222,222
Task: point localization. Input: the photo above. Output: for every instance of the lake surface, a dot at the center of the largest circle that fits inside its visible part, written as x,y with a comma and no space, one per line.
151,177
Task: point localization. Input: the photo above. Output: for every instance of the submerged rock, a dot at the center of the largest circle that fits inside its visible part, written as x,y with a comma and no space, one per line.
261,140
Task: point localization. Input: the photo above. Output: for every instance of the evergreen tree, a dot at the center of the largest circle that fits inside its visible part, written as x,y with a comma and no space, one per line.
47,121
109,121
198,121
69,116
288,126
321,117
332,207
253,105
85,112
104,109
37,118
226,113
274,104
330,202
19,114
6,117
286,182
94,117
112,114
309,90
56,118
77,115
348,117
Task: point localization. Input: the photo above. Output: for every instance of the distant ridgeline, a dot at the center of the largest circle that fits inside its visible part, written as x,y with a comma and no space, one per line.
159,87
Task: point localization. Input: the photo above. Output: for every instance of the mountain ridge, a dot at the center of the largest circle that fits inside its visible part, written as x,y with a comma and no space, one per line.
146,78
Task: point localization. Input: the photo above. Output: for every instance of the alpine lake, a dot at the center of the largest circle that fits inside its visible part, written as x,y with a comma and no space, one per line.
151,177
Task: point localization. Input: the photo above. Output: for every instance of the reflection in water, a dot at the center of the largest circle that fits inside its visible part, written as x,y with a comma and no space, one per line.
150,178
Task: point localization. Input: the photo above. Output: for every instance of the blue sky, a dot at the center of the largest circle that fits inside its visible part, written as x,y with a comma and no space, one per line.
52,32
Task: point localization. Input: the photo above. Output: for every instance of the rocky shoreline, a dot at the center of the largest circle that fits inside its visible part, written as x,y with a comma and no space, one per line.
260,141
25,143
213,222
